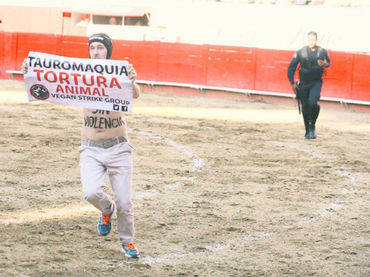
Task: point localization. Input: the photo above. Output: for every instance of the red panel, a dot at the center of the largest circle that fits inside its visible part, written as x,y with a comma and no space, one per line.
143,55
221,66
231,67
337,82
182,63
10,50
67,14
2,52
73,46
47,43
271,70
361,77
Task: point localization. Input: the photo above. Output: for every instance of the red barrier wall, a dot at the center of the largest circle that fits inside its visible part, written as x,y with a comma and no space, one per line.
360,85
271,70
2,51
227,66
206,65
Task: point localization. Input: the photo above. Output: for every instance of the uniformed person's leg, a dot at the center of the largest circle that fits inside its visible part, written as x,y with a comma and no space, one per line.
305,91
315,115
314,107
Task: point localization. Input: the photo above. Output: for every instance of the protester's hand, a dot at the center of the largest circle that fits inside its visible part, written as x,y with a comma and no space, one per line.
132,73
322,62
25,66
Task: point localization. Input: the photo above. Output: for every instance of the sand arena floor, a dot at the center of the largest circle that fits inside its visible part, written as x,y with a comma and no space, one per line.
221,188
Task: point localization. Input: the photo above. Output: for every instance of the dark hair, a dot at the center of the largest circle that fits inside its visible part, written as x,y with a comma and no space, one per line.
312,33
105,39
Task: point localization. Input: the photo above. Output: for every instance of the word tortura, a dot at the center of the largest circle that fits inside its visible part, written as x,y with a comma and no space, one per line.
76,79
66,65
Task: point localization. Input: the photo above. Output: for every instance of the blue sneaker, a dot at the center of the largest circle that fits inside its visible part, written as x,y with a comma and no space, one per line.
130,251
104,225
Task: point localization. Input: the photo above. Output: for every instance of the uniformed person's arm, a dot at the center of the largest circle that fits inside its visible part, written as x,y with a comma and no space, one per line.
326,61
327,58
292,68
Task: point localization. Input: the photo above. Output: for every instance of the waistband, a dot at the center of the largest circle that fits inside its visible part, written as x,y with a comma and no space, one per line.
104,143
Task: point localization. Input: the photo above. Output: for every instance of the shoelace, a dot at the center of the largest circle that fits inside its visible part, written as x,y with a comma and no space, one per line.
106,218
131,246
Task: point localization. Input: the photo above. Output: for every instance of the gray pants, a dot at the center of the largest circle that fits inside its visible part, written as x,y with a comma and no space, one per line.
117,160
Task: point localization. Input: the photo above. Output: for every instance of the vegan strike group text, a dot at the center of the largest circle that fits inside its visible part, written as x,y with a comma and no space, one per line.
82,82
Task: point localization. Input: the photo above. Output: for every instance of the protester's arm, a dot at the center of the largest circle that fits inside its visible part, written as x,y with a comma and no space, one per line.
136,89
24,66
132,76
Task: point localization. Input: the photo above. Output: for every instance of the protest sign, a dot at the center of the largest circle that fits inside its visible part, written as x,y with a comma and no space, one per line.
88,83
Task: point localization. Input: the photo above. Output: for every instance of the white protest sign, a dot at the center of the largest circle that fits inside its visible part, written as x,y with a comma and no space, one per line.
88,83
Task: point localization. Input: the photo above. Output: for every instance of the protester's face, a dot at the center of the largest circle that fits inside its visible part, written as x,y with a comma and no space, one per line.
98,50
312,40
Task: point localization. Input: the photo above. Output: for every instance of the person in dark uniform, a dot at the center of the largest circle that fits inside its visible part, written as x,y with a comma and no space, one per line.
312,60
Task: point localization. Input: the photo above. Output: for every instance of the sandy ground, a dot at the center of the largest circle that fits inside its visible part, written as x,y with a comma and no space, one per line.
222,188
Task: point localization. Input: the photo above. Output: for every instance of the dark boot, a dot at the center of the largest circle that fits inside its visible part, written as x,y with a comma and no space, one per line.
307,133
306,124
312,134
315,115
